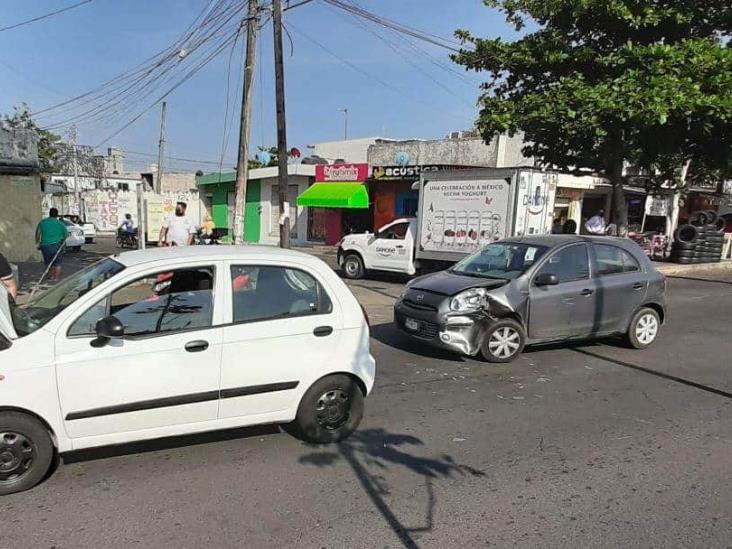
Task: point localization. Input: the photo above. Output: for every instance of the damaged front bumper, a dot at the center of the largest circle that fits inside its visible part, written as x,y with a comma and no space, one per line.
459,332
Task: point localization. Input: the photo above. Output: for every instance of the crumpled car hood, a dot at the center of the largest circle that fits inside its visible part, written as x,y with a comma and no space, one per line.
448,283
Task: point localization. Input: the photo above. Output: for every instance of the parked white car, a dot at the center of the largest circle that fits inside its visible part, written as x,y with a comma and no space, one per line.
163,342
90,231
75,240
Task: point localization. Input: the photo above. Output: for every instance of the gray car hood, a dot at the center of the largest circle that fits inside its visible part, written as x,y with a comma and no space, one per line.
449,283
6,322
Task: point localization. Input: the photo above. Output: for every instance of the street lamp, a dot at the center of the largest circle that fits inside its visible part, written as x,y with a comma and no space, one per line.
344,110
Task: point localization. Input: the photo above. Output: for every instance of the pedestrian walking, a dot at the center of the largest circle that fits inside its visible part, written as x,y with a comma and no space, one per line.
51,236
177,229
6,277
596,224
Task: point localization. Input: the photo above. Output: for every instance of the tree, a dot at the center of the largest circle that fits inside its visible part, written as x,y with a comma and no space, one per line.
47,141
602,83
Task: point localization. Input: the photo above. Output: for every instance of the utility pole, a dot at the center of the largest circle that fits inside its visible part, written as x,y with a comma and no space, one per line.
141,223
242,163
161,148
77,190
345,122
281,125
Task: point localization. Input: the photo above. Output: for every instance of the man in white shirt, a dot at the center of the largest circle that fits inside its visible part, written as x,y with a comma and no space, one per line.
596,224
177,229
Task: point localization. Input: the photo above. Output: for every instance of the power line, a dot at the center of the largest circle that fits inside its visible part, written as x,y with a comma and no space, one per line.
33,20
371,76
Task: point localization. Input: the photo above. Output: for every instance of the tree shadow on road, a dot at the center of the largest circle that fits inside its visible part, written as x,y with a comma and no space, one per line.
376,448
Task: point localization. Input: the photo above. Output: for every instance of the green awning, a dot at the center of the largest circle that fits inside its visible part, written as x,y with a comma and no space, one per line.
335,195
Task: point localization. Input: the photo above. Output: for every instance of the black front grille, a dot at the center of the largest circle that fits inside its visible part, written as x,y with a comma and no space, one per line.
425,329
419,306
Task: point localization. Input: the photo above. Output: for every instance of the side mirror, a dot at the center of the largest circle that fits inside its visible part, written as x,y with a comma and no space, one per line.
108,328
546,279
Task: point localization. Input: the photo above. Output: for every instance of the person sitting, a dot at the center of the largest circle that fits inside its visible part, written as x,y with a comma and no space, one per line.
127,226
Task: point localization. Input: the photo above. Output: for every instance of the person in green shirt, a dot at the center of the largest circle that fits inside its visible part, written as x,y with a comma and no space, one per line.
51,236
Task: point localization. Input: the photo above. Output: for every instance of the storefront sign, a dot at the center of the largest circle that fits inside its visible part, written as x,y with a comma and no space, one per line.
341,172
407,172
658,205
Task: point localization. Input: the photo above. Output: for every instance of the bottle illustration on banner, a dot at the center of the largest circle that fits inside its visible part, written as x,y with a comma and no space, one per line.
473,229
438,227
461,228
449,232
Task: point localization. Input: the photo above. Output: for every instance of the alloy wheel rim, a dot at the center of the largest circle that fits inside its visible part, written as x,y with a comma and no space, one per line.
333,409
351,267
17,453
646,329
504,342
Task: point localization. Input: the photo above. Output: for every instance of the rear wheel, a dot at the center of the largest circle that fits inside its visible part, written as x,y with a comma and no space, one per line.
330,411
503,341
26,452
644,328
353,266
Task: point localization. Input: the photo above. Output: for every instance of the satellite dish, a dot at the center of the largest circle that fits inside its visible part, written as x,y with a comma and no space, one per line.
401,158
264,157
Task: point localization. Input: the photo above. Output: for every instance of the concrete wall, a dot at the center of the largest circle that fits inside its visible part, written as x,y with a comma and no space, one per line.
18,150
19,216
351,150
270,231
502,151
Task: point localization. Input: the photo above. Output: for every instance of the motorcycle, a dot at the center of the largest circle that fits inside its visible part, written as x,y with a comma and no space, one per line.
126,239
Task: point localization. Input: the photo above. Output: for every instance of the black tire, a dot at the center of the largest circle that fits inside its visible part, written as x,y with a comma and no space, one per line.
719,225
684,253
635,334
686,233
330,411
515,334
353,266
683,260
698,219
27,452
678,245
711,217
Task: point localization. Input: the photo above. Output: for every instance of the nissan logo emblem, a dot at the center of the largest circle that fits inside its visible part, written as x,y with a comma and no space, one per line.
420,297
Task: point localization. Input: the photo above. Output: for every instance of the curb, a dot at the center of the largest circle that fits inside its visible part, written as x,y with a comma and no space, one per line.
677,269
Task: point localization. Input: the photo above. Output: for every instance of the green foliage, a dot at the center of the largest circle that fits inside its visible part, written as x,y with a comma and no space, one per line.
48,142
600,82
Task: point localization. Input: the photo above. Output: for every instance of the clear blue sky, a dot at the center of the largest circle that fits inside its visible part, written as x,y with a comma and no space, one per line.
54,59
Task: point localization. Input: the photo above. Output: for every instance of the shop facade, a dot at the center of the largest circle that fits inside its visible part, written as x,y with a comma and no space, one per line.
261,210
338,203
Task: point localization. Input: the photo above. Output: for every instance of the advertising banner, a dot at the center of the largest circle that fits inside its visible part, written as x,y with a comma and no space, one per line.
464,215
339,173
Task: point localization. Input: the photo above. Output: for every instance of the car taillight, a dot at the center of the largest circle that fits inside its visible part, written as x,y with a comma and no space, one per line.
365,316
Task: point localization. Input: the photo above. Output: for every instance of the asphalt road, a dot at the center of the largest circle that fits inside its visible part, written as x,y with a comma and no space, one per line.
593,445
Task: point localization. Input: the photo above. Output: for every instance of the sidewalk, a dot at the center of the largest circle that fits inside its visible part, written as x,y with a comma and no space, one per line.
722,269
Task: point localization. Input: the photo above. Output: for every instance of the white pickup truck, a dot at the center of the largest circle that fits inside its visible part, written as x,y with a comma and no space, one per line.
460,211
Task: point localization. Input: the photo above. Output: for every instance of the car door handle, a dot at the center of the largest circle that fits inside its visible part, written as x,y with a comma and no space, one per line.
638,286
587,292
323,331
196,346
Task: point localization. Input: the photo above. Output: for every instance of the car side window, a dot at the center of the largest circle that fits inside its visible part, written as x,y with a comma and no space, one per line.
267,293
86,324
395,232
568,264
613,260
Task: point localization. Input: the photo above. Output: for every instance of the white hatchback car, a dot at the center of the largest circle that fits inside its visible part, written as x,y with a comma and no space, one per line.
164,342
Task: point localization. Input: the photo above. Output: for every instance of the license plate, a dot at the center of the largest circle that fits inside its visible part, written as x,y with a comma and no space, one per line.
411,324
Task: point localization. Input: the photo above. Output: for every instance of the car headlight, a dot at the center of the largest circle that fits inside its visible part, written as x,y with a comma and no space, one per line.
469,300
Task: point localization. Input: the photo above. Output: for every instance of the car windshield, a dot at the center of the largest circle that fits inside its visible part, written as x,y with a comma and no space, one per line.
43,307
502,260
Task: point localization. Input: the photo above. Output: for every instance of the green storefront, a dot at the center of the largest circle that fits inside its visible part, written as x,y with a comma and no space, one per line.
219,192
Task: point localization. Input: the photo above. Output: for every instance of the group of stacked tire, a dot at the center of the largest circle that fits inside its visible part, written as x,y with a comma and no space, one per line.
701,240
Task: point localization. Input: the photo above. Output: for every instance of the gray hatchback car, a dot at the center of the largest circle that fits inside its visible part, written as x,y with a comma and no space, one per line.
538,289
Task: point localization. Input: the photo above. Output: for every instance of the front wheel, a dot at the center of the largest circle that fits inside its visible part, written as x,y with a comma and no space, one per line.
503,341
644,328
26,452
353,266
329,412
